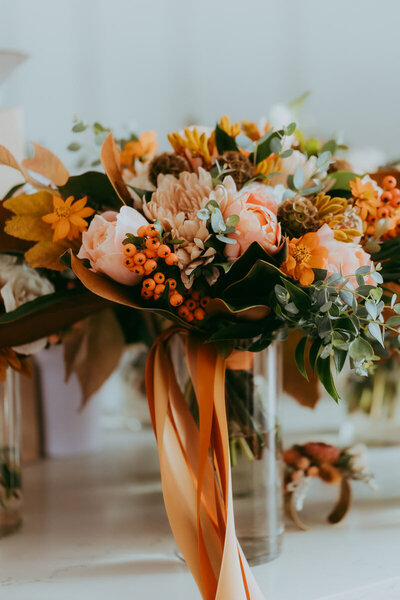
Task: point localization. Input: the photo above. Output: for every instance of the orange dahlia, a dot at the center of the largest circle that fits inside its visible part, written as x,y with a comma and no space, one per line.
305,254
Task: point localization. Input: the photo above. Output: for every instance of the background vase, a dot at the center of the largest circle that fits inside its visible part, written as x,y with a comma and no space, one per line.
373,407
253,385
69,430
10,454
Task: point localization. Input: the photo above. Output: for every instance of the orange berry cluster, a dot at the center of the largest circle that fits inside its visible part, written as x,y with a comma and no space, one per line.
389,206
192,310
144,258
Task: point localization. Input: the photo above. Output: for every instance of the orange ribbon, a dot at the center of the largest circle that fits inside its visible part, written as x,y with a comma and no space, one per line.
195,467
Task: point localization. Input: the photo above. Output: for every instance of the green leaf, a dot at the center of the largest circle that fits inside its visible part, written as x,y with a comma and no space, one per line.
361,349
339,357
325,376
323,158
290,129
342,180
96,186
329,146
299,357
79,127
346,296
314,351
233,220
263,148
298,178
74,147
224,141
287,153
299,296
393,321
244,142
376,332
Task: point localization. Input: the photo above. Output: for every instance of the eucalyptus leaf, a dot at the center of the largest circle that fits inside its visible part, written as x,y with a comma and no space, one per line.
298,178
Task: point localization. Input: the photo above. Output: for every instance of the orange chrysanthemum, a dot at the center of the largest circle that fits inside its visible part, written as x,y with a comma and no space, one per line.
68,217
366,197
142,149
305,254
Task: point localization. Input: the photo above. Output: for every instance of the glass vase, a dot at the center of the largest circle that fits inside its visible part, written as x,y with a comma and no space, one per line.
373,407
253,382
10,454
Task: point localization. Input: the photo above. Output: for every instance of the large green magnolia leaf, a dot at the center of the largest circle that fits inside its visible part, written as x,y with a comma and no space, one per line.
46,315
96,186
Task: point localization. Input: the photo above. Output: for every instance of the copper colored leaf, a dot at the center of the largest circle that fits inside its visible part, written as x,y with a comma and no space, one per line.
7,159
47,164
306,393
116,292
28,209
111,162
46,315
92,350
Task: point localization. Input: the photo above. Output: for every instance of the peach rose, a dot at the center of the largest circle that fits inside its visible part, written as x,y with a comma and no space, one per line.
102,243
257,222
343,257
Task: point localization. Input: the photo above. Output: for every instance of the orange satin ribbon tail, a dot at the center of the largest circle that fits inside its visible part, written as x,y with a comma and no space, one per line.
195,466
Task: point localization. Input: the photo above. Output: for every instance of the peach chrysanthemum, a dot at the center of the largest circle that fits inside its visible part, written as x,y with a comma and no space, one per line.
175,204
305,254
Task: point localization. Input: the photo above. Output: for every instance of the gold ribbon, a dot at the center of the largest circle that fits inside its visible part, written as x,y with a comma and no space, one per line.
195,468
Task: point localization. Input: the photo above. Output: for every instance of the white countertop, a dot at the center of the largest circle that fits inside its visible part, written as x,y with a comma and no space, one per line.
95,528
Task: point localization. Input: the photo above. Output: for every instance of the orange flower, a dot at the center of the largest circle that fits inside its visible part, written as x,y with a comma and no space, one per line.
142,149
68,218
366,197
305,254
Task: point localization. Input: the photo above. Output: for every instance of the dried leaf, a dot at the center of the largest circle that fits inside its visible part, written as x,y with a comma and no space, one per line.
27,223
306,393
111,162
7,159
92,350
46,254
47,164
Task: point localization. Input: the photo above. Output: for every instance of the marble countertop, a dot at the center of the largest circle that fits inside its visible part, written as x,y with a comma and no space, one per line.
95,528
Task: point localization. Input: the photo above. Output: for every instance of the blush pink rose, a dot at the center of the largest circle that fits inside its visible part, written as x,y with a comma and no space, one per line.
257,223
102,243
343,257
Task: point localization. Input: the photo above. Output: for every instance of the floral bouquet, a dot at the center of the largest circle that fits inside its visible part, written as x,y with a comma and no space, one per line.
238,235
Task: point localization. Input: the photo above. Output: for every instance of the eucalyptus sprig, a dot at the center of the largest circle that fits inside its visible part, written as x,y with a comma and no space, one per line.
212,215
343,320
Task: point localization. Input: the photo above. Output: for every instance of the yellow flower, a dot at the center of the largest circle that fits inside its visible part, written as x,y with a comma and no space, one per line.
68,217
198,141
232,129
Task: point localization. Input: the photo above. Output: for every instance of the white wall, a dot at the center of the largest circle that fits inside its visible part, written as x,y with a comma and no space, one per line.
162,63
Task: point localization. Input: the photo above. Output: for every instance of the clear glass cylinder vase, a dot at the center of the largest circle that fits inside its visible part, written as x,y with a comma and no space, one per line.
373,407
253,385
10,454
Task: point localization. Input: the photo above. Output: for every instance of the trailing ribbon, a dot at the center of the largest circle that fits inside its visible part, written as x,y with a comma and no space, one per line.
195,467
